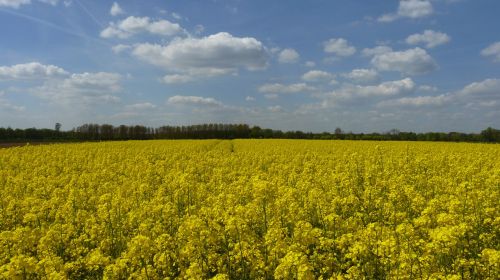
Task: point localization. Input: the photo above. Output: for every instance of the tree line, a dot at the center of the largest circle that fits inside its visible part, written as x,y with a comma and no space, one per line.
106,132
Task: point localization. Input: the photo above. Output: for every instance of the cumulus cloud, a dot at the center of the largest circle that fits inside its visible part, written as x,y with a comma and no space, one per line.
492,50
415,8
429,38
120,48
409,9
177,79
488,87
412,62
135,25
81,88
362,76
271,95
310,64
281,88
349,93
339,47
140,106
6,105
288,56
275,109
14,3
369,52
50,2
390,88
427,88
32,70
482,94
418,101
217,54
194,101
317,76
479,94
176,16
198,29
18,3
116,10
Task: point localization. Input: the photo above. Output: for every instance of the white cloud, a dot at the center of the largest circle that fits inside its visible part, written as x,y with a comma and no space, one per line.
427,88
120,48
492,50
217,54
368,52
415,8
177,79
386,89
410,9
274,50
176,16
250,98
362,76
391,88
18,3
417,101
491,103
288,56
140,106
430,38
50,2
33,70
281,88
116,10
194,101
339,47
388,17
135,25
412,62
488,87
482,94
14,3
310,64
271,95
5,104
275,109
114,31
449,1
100,80
198,29
317,75
81,88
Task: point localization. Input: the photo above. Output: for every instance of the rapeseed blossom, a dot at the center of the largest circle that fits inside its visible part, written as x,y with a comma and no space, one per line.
250,209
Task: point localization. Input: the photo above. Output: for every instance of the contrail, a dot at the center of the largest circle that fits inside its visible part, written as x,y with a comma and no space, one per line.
89,13
52,25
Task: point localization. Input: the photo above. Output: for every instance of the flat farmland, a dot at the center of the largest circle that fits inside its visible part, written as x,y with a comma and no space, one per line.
250,209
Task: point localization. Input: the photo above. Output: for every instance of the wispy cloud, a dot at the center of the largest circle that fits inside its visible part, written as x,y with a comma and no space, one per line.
53,26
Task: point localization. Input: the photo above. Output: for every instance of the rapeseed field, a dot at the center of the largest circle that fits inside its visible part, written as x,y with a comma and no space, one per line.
250,209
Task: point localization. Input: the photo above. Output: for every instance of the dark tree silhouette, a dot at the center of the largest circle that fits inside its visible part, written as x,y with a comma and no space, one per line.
105,132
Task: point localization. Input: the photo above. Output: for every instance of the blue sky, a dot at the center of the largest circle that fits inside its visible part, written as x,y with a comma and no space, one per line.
364,66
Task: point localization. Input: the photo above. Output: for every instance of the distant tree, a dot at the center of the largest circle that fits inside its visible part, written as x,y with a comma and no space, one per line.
99,132
256,132
490,135
106,132
393,132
